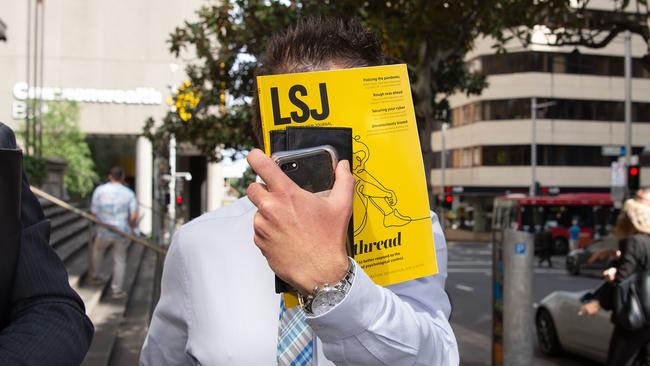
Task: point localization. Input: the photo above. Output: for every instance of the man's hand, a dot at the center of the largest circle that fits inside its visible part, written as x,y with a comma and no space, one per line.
301,234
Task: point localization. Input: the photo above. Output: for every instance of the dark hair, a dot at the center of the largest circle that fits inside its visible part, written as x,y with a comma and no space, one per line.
116,173
314,44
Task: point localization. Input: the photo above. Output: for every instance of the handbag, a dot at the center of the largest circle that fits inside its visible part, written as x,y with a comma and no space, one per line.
631,305
631,302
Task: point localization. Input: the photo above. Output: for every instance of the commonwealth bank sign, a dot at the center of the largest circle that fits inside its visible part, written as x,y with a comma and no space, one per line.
138,96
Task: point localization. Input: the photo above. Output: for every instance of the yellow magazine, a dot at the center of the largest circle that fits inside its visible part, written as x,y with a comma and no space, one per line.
393,241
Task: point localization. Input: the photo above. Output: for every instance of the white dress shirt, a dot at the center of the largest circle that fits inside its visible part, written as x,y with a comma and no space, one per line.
218,306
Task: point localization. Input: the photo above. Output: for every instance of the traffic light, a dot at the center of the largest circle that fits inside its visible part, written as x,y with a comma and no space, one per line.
447,201
633,178
179,193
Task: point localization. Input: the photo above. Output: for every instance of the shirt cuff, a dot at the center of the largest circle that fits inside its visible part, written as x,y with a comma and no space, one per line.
352,315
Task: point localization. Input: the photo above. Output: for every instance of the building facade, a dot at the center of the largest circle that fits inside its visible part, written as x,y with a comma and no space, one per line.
113,59
580,121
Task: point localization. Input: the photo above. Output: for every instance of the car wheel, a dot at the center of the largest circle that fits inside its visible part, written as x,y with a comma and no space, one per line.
560,246
549,343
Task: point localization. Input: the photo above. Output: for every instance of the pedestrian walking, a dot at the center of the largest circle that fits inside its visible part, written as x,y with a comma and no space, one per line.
626,347
115,204
574,235
544,241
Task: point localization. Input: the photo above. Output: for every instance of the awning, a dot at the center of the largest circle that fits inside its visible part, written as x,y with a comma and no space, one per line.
3,29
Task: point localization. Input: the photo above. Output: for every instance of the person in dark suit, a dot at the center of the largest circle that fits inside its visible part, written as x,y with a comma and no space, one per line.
43,321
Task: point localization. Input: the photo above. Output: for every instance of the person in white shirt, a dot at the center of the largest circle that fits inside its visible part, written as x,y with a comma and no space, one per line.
115,204
218,305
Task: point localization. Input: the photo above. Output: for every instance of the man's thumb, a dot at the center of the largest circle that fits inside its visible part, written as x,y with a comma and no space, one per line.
343,189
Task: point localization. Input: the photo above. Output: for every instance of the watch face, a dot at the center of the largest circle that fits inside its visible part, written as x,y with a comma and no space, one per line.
326,300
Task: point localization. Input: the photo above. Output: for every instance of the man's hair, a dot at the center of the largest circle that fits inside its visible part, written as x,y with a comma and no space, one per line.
116,173
314,44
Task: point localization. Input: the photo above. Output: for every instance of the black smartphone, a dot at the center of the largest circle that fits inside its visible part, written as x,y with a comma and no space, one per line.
312,168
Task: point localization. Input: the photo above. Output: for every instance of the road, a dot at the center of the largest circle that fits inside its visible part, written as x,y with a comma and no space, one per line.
469,286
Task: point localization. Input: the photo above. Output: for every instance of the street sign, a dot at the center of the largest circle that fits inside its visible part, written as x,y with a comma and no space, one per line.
520,248
613,150
618,174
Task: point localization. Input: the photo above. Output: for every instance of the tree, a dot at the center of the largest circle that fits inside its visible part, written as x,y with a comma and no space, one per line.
431,37
63,139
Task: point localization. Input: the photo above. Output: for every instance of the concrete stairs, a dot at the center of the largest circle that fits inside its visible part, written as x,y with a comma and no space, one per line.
120,324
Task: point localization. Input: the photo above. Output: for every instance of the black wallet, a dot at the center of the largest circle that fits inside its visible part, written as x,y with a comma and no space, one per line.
305,137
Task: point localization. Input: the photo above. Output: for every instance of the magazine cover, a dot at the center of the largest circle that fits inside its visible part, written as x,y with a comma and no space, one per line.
393,240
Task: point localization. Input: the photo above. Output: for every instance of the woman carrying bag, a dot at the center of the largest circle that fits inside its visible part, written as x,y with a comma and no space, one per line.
626,346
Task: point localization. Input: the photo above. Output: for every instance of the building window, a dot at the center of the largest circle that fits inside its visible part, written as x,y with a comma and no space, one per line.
570,109
547,155
556,62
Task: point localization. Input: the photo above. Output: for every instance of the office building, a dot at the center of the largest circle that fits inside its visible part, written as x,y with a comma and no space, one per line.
579,126
113,58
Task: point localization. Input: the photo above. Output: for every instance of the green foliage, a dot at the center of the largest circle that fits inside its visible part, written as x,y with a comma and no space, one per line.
431,37
63,139
35,169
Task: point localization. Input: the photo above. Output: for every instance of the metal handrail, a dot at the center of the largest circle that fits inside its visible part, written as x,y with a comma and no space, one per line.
138,240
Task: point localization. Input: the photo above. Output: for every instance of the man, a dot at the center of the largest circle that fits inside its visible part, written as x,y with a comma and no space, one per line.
115,204
574,235
218,305
45,321
544,241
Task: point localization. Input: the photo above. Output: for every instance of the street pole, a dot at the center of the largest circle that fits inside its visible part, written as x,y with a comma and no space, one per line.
533,146
156,233
443,168
628,104
171,207
29,77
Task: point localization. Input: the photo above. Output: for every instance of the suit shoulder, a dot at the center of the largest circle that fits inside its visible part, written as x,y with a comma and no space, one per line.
241,207
7,137
213,229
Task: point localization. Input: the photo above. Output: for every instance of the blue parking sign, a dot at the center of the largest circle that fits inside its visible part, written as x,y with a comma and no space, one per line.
520,248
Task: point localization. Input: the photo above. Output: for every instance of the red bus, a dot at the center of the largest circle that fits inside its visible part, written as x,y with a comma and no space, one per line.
593,211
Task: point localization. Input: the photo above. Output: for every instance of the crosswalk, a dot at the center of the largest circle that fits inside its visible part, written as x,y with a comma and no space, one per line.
476,258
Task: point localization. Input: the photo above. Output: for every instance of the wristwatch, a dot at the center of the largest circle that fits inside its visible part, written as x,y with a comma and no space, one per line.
327,296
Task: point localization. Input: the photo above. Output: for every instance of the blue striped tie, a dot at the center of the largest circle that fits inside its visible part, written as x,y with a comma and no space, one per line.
295,338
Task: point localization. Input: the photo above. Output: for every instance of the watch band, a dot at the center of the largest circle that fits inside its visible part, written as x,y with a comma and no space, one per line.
334,293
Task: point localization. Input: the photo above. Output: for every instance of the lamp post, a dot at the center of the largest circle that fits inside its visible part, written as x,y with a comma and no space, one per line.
533,143
443,167
628,105
171,207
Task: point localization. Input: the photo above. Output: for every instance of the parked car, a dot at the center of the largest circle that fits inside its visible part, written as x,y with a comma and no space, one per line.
560,328
577,261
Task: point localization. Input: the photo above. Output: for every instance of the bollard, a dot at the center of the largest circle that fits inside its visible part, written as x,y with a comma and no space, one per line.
513,256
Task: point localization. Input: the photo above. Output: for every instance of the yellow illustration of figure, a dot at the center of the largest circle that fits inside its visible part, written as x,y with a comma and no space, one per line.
369,189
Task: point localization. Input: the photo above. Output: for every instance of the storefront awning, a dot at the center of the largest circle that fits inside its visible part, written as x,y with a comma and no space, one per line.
3,29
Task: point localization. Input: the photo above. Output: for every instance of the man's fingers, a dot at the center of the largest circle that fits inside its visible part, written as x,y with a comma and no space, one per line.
260,226
263,166
343,189
257,193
